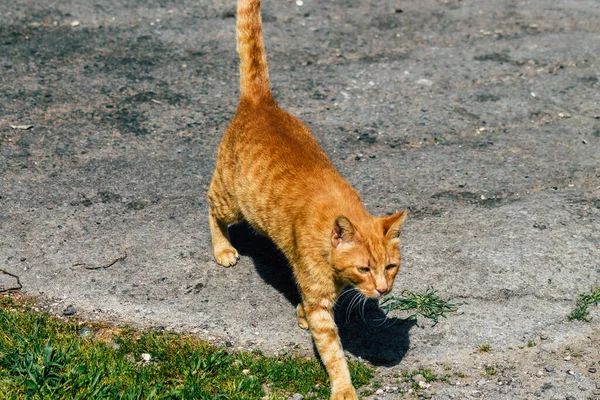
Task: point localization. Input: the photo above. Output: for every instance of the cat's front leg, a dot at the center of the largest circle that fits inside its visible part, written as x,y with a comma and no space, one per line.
302,322
319,314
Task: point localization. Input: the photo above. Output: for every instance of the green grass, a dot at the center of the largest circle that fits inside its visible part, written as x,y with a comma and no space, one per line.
484,348
489,371
585,300
44,357
427,374
428,304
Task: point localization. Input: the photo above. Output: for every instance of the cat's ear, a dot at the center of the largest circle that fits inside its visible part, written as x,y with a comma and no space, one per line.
392,225
343,231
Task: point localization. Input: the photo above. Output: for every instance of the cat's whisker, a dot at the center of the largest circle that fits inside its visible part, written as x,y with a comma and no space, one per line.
349,307
341,300
362,311
385,319
353,303
345,292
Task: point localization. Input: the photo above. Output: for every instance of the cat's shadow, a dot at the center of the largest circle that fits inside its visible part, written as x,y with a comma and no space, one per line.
364,329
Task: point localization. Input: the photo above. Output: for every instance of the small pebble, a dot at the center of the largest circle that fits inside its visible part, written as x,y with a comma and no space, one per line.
570,372
146,357
297,396
22,127
70,310
299,3
245,371
379,391
85,332
425,82
548,368
592,370
424,385
564,115
75,23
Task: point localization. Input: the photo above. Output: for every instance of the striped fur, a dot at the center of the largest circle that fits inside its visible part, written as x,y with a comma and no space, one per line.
271,173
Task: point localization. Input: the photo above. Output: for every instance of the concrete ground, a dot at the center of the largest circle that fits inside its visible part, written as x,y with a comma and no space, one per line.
480,117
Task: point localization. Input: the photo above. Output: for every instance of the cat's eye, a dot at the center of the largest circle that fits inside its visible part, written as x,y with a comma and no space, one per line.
364,270
391,266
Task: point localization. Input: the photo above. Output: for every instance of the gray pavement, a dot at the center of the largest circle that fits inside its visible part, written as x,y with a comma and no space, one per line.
480,117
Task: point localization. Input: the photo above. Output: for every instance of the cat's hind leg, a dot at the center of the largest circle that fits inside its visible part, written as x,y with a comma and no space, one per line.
220,215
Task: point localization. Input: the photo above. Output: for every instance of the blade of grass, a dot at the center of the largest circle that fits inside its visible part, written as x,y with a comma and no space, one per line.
581,312
428,304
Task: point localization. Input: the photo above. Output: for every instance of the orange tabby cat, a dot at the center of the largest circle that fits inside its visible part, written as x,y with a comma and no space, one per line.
272,173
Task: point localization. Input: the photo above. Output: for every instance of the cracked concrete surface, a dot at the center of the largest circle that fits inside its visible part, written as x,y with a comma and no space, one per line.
480,117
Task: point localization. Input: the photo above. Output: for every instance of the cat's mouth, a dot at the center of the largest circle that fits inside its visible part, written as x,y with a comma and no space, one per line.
373,294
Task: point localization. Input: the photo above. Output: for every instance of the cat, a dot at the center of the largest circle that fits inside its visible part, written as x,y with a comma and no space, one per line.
271,173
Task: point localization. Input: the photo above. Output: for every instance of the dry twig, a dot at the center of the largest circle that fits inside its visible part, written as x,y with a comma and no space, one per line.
103,266
11,288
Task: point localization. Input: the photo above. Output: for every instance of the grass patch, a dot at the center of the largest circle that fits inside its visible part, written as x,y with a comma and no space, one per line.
489,371
428,304
484,348
415,376
581,312
44,357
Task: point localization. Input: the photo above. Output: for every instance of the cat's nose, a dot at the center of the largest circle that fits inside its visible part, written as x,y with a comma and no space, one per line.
382,291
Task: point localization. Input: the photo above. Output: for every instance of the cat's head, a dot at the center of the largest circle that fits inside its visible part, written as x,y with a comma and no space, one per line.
367,256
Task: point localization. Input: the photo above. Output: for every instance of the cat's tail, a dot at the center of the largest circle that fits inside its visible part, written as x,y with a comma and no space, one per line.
254,73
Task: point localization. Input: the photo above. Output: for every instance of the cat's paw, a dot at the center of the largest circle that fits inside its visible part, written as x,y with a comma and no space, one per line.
302,321
227,257
344,394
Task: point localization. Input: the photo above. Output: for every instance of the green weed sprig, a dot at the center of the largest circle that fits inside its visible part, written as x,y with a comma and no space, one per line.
428,304
585,300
